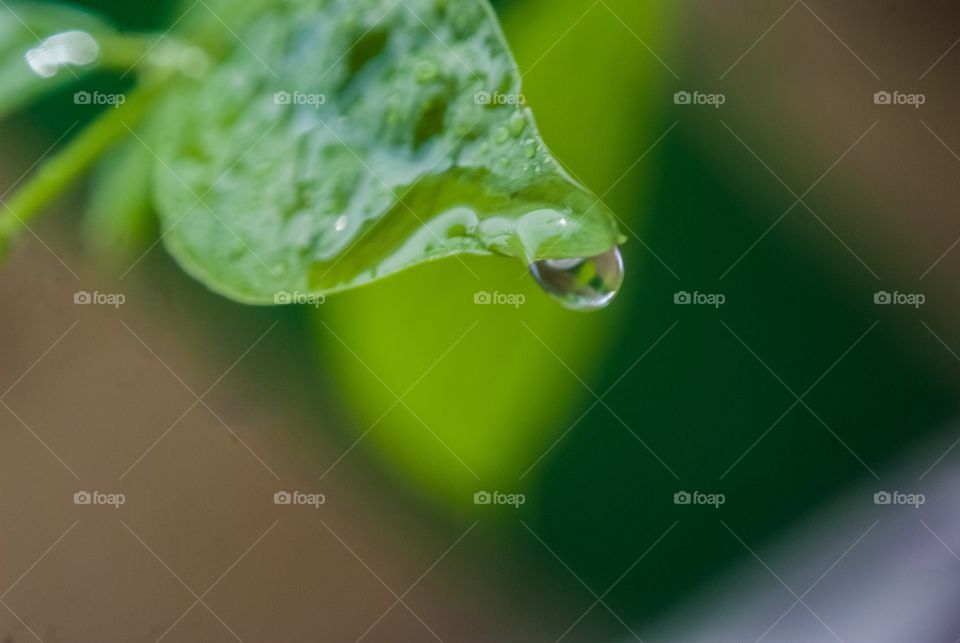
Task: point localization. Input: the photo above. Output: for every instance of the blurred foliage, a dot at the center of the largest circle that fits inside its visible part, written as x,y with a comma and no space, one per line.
700,399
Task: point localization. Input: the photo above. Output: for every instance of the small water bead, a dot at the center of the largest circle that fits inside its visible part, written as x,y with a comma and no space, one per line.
582,283
70,48
501,135
518,123
237,248
426,71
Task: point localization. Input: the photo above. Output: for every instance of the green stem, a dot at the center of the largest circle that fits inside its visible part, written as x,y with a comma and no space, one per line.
124,52
68,164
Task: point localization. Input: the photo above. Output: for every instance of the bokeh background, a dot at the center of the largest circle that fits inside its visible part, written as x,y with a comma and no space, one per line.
799,199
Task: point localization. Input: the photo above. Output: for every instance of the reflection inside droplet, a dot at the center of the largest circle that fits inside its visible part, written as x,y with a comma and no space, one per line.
582,284
56,52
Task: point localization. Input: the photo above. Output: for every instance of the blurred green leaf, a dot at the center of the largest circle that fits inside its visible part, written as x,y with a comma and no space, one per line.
347,141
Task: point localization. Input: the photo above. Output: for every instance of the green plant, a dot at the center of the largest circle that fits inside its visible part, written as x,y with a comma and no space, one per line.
308,146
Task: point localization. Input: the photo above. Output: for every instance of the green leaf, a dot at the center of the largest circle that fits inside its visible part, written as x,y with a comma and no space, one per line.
496,401
34,38
343,141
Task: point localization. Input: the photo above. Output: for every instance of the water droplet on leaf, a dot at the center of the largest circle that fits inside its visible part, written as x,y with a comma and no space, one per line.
582,283
237,249
77,48
426,71
518,123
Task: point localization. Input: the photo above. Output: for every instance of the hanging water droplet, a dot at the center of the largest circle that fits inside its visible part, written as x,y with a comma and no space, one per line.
581,284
